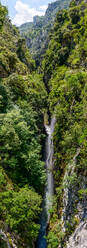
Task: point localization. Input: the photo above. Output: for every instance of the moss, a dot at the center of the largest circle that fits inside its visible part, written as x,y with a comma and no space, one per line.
82,193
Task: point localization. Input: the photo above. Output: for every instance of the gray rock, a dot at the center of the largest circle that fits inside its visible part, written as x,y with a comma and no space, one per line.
79,238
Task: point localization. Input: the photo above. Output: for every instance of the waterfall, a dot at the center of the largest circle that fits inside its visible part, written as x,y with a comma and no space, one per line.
48,195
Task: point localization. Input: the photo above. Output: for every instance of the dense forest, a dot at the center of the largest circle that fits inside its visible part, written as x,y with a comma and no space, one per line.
65,74
23,102
27,96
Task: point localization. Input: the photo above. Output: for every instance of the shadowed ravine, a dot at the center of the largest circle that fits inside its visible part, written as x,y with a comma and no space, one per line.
48,195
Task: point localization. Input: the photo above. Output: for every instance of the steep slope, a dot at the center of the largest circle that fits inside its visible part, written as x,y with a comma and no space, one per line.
37,33
14,56
23,100
65,74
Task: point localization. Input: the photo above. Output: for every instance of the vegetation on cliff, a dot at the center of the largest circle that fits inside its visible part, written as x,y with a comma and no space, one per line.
22,103
37,32
65,74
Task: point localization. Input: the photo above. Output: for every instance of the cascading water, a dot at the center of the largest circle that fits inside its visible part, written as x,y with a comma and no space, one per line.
47,202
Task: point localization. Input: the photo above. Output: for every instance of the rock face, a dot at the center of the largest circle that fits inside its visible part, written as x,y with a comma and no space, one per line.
37,32
5,239
75,207
79,238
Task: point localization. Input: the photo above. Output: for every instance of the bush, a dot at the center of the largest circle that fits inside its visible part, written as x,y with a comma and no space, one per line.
21,210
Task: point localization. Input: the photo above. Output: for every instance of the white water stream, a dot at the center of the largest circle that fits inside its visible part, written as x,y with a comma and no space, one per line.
49,190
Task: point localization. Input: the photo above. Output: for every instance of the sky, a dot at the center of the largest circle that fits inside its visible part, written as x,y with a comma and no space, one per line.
21,11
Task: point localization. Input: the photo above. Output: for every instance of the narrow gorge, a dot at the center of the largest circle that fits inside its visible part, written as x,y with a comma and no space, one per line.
49,189
43,201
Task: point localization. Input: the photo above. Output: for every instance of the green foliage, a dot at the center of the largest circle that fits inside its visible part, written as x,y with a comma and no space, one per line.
3,244
2,178
68,44
70,226
23,54
14,55
3,13
20,152
37,32
23,101
82,193
20,210
55,236
20,148
74,15
52,240
65,75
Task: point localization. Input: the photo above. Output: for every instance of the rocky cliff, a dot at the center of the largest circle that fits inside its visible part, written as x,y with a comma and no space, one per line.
65,75
37,33
24,102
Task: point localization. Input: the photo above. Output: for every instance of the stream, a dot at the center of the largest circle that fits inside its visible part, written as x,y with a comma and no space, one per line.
49,189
